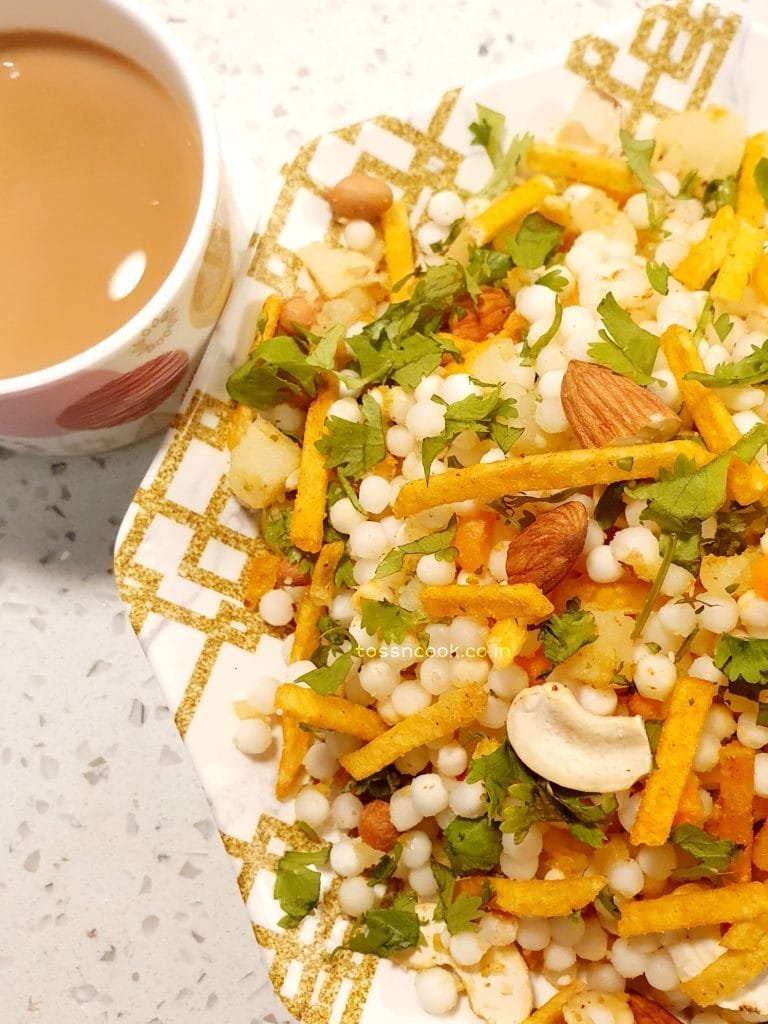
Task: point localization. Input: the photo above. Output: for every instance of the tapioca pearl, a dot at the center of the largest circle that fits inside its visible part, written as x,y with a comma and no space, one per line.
593,944
452,760
342,610
368,540
497,561
657,862
550,416
720,721
677,582
595,536
749,733
425,419
529,847
400,401
399,441
427,388
604,978
678,617
498,929
636,208
409,698
633,512
429,795
552,357
379,678
558,957
344,516
628,960
444,818
417,848
597,701
519,376
374,494
346,409
666,388
746,344
626,878
536,302
345,811
551,383
715,357
364,570
276,608
655,676
567,931
457,387
672,251
413,467
312,806
346,858
707,753
436,674
435,571
436,990
261,696
661,972
631,287
320,761
743,399
753,611
696,232
575,320
507,682
298,669
402,810
494,716
468,800
467,948
717,613
467,632
627,810
533,933
704,667
603,566
355,896
445,207
386,711
470,670
253,736
422,881
429,235
359,235
577,346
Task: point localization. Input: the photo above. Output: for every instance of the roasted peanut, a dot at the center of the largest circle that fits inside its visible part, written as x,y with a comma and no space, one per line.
359,197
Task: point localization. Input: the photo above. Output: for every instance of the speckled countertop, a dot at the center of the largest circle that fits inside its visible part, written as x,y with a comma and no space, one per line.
117,902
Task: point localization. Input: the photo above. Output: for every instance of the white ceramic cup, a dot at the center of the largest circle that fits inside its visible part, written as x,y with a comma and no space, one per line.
128,386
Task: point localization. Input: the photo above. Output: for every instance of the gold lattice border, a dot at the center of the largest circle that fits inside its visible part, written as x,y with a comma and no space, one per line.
675,42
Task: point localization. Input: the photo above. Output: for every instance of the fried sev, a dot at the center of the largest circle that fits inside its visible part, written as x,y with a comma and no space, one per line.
760,848
706,257
740,901
453,710
315,601
242,415
490,600
714,422
398,249
548,471
537,897
623,596
309,507
261,577
293,750
732,278
688,706
505,641
734,804
509,208
745,934
750,204
611,175
551,1012
732,970
334,713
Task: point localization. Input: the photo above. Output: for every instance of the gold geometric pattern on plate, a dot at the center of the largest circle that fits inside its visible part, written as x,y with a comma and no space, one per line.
669,42
320,974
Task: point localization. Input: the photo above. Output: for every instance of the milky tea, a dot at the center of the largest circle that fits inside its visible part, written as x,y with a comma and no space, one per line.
100,178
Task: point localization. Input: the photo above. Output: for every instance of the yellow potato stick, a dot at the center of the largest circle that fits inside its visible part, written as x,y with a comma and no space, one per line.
694,908
295,745
609,174
759,279
273,304
714,422
728,973
490,600
398,249
242,415
706,257
334,713
262,577
309,507
741,258
453,710
316,599
624,596
537,897
745,934
505,641
735,804
760,848
509,208
549,471
688,706
749,202
551,1012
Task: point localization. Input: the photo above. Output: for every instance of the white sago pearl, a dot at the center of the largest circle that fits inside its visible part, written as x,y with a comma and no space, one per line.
636,208
596,700
417,849
261,696
413,468
604,978
402,810
434,571
400,402
470,670
716,355
494,455
552,357
467,633
399,441
359,235
498,930
346,409
355,896
720,721
672,251
533,933
536,302
678,617
364,570
507,682
550,416
626,877
567,930
320,761
428,387
276,608
430,234
718,614
445,207
681,308
436,675
436,990
298,669
457,387
550,384
743,399
379,678
522,376
425,419
655,676
575,320
342,610
422,881
628,961
657,862
753,610
707,753
467,948
704,667
749,733
497,560
603,566
558,958
374,494
661,972
346,810
593,944
761,774
677,582
638,547
529,847
595,536
627,811
408,698
666,388
312,806
521,870
345,858
253,736
429,795
344,516
746,420
368,540
468,800
451,760
633,511
494,715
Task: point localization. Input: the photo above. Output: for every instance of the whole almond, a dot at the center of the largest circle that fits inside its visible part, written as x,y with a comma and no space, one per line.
487,315
546,550
295,312
359,197
648,1011
605,409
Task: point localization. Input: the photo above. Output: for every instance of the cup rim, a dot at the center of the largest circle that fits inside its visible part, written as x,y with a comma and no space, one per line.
196,241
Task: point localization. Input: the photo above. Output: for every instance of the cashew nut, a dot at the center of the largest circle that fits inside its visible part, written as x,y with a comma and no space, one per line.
558,739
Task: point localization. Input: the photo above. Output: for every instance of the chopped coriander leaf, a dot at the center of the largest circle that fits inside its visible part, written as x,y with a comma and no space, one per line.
658,277
761,177
539,800
750,370
391,622
711,856
738,527
535,240
386,867
297,887
707,312
554,279
328,678
484,267
488,132
563,635
626,348
497,771
723,326
530,352
653,732
638,154
472,844
607,900
460,912
743,660
658,583
688,185
719,192
276,532
344,575
379,786
484,415
348,491
387,931
610,505
437,544
283,366
354,448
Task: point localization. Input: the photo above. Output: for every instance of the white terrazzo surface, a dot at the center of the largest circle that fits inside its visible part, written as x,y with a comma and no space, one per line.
117,902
